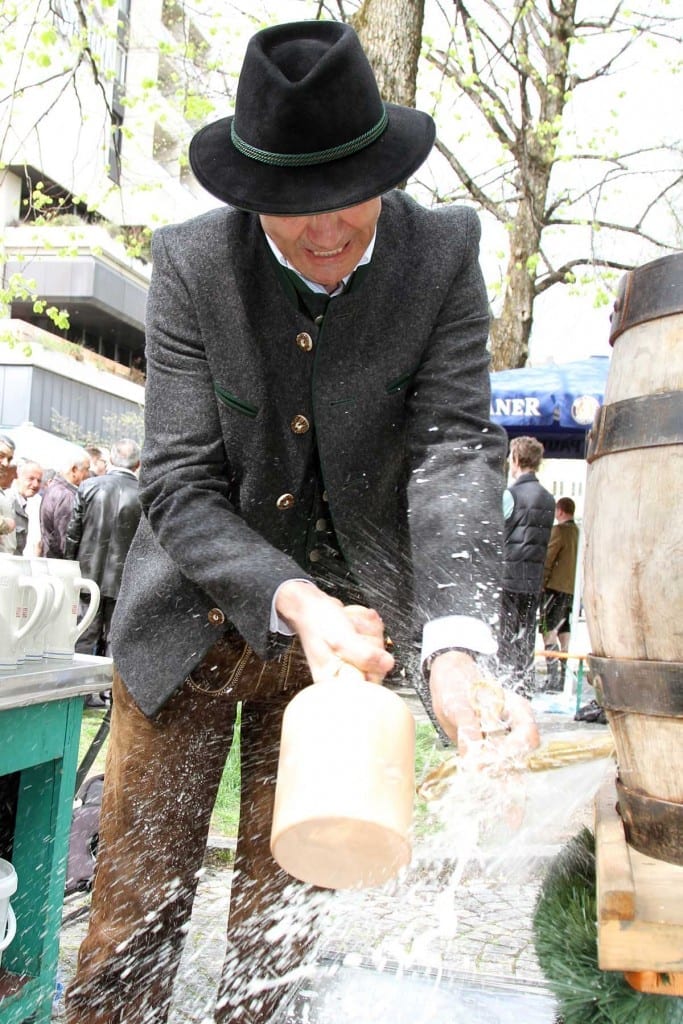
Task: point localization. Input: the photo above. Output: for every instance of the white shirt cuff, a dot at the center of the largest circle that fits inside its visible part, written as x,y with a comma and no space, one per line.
278,625
460,631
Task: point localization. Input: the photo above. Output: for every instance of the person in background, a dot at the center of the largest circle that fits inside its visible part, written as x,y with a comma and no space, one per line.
103,522
24,490
559,574
8,538
48,476
58,501
528,510
319,466
99,460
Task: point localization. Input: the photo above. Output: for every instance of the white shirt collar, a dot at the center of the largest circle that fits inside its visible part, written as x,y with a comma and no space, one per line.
313,285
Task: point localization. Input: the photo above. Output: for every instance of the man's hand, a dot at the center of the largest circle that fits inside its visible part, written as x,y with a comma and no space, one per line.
328,631
7,524
466,717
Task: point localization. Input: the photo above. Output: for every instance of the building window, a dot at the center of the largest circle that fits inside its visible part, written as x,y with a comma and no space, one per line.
115,140
65,16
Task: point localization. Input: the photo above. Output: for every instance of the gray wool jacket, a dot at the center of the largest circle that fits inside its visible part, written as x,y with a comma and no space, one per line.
396,387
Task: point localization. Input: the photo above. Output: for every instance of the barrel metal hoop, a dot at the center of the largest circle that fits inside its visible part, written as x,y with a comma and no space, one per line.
643,687
647,293
647,421
653,827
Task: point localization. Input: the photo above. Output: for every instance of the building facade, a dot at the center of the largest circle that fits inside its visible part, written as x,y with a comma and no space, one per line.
100,101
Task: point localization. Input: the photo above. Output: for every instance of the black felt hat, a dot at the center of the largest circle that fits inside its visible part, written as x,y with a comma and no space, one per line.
310,132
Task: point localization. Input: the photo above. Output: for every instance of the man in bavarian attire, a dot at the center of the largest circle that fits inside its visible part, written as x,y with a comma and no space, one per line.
316,437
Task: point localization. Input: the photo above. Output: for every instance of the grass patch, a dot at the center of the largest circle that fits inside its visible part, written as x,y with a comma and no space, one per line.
92,718
225,817
226,811
429,752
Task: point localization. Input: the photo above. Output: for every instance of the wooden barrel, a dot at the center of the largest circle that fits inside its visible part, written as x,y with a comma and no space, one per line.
633,529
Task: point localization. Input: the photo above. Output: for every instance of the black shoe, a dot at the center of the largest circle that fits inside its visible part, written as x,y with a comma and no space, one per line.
591,712
94,700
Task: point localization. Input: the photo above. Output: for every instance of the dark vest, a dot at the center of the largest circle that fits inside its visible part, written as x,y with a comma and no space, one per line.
527,533
324,559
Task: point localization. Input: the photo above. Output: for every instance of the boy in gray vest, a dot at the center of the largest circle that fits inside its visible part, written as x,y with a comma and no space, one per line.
529,510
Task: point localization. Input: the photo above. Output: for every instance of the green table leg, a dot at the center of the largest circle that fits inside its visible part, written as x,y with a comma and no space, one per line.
40,741
579,685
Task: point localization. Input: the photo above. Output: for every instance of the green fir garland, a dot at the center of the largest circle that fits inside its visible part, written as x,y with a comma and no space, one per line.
565,936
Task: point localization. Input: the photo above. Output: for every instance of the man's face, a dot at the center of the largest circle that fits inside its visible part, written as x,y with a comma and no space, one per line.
29,481
79,472
325,247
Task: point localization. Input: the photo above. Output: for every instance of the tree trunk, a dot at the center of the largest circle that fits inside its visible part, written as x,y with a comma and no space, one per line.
391,34
510,331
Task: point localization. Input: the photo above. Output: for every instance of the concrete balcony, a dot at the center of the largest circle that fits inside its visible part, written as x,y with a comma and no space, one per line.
83,270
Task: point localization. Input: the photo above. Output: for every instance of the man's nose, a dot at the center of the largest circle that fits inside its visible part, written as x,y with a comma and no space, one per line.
324,226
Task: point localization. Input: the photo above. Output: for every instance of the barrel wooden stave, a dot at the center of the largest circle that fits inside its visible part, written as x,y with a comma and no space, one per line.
633,528
633,585
649,753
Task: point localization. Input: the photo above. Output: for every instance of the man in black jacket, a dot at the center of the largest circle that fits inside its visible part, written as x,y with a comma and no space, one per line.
58,502
529,511
105,517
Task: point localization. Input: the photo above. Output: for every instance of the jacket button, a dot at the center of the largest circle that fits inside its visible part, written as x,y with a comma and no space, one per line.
216,617
285,501
300,425
304,341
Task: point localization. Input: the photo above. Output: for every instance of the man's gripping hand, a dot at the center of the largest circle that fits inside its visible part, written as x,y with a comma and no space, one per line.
329,632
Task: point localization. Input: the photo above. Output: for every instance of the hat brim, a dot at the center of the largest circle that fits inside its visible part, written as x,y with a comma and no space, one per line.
296,191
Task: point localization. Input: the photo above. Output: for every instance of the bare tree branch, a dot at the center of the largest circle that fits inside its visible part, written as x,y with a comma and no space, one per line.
560,274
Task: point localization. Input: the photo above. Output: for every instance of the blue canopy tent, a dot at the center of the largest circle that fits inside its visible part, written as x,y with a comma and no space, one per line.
555,403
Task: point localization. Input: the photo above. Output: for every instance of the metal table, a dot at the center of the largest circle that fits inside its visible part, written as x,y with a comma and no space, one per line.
41,708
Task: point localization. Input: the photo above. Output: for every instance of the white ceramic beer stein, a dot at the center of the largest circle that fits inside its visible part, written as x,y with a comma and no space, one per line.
63,630
8,887
16,619
34,645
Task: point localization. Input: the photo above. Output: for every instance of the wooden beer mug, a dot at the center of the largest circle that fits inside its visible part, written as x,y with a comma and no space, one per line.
345,786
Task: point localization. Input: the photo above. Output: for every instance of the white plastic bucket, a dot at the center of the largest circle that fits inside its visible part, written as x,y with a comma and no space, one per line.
8,887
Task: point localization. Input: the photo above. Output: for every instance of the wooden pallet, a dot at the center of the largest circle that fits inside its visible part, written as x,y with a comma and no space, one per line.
640,907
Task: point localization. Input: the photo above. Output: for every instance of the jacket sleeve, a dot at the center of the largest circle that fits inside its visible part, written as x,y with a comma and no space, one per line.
457,455
74,528
185,476
552,554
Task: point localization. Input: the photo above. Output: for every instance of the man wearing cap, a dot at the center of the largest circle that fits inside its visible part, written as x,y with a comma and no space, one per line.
319,468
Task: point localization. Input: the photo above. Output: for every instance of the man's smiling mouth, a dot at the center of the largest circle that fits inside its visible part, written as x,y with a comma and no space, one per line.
326,253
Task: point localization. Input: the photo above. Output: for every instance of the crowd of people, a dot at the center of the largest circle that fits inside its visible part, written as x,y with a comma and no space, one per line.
86,509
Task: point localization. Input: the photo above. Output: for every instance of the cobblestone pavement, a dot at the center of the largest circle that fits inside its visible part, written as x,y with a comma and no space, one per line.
435,946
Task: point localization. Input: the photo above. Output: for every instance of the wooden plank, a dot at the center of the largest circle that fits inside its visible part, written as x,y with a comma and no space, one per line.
640,901
614,879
